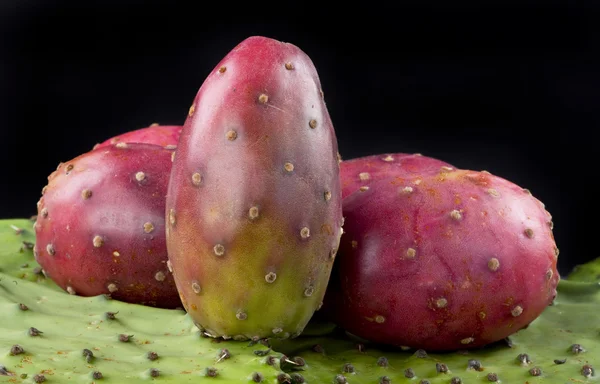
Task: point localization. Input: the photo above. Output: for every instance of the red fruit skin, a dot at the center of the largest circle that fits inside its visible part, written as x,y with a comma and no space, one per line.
474,278
254,201
362,171
100,227
163,135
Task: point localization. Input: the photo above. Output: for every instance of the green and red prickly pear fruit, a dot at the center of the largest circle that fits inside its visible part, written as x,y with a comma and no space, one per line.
458,260
254,215
163,135
359,172
101,228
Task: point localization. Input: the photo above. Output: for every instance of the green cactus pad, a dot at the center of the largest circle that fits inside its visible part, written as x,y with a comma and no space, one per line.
563,343
550,339
16,252
589,271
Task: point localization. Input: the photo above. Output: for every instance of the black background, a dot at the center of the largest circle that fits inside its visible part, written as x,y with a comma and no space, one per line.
510,89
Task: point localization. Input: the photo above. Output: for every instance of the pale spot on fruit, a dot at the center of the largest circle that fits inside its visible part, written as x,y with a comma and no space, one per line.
379,319
68,168
116,254
263,99
219,250
289,167
417,181
406,190
173,156
169,266
549,274
191,110
44,212
364,176
482,315
455,214
148,227
327,195
196,287
309,291
305,233
388,158
86,194
71,290
363,188
411,253
493,192
332,253
140,176
241,315
196,179
493,264
121,145
112,287
253,213
172,217
270,277
231,135
441,302
98,241
50,249
467,340
159,276
516,311
170,146
445,168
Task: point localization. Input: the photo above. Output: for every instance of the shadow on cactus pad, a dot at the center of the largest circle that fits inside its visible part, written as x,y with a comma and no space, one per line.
47,335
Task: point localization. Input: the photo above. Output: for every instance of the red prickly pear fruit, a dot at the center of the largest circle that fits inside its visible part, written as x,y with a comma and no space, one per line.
254,202
359,172
163,135
461,260
100,227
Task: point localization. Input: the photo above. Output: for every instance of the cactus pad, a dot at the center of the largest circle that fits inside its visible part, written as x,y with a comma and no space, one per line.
47,335
589,271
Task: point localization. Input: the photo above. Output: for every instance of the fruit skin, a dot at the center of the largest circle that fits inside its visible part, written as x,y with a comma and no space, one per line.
163,135
101,228
457,261
362,171
254,200
168,341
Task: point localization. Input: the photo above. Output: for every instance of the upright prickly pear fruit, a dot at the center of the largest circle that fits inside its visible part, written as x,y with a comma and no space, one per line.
358,173
163,135
101,227
254,202
458,260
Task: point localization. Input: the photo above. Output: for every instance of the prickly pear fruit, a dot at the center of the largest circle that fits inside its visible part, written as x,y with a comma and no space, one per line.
163,135
459,260
359,172
254,202
101,228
